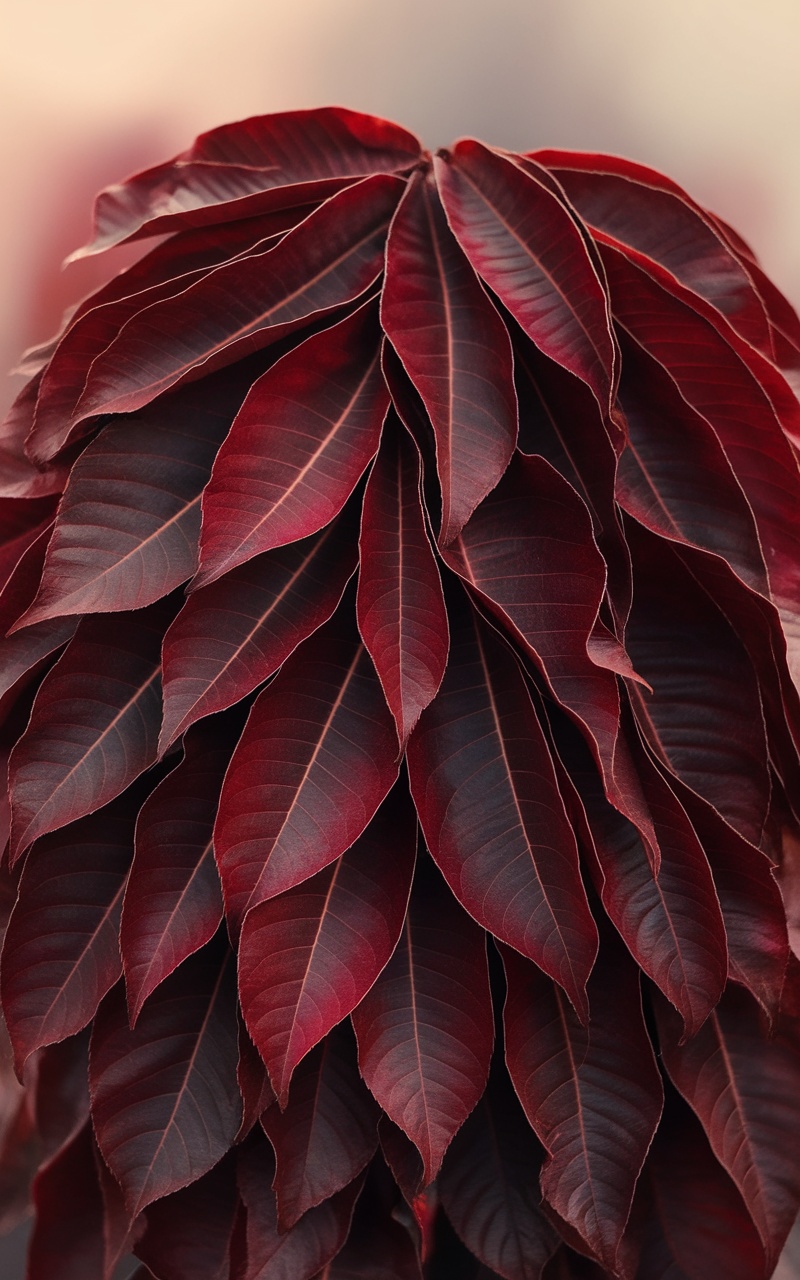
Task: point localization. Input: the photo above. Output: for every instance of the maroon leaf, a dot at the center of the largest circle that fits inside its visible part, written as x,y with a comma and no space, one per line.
94,725
61,951
67,1240
128,524
522,240
593,1095
402,1158
302,439
243,306
456,350
317,757
165,1101
489,1186
296,1254
23,652
61,1103
743,1083
232,635
19,477
308,956
378,1247
425,1029
400,606
488,799
187,1236
278,160
173,900
328,1131
254,1086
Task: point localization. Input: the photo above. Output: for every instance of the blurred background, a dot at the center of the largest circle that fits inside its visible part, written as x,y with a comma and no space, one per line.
91,90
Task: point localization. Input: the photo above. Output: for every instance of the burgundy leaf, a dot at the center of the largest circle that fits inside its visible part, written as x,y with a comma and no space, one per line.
61,1103
23,652
61,950
488,799
742,1081
19,477
94,725
120,1232
328,1131
173,900
301,1252
243,306
308,956
317,757
297,448
402,1158
378,1247
425,1029
173,1243
524,243
67,1240
279,160
232,635
254,1086
400,606
165,1102
593,1095
456,350
489,1186
127,528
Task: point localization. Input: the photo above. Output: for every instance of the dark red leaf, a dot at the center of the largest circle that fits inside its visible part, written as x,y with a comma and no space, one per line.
402,1158
254,1086
119,1231
187,1236
232,635
165,1101
317,757
67,1240
455,349
488,799
279,160
243,306
61,950
400,606
593,1095
173,900
297,1254
308,956
489,1186
19,477
425,1029
328,1131
94,725
61,1102
378,1247
21,654
524,243
300,443
743,1082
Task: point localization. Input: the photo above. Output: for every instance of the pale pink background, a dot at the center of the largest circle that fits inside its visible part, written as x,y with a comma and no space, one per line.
708,90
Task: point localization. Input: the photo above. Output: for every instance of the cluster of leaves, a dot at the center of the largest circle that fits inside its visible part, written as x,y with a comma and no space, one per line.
402,568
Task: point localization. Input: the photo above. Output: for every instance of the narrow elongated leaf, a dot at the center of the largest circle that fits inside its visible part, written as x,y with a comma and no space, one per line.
165,1102
61,950
301,1252
328,1131
403,1159
378,1247
128,524
173,1242
61,1104
232,635
400,605
296,450
742,1083
67,1240
593,1095
317,757
488,799
290,157
425,1028
19,477
489,1186
243,306
523,242
173,900
94,726
23,651
308,956
455,349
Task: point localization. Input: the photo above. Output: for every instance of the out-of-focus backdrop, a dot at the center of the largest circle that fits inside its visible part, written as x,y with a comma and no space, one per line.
90,90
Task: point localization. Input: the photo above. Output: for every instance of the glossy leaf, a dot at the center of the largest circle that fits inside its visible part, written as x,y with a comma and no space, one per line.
456,350
165,1102
307,957
297,447
425,1028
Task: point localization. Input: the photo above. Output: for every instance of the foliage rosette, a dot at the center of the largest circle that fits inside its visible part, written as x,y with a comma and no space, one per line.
401,607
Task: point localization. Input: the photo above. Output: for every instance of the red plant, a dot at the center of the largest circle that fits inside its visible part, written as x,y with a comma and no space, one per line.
466,757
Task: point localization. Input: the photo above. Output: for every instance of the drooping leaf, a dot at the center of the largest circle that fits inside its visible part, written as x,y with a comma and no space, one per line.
456,350
23,652
317,757
61,1102
425,1029
165,1102
486,792
172,1243
67,1240
378,1246
308,956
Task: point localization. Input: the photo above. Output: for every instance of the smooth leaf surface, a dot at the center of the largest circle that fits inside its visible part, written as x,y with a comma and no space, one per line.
172,1242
